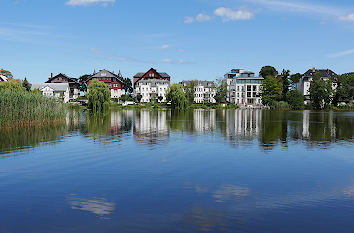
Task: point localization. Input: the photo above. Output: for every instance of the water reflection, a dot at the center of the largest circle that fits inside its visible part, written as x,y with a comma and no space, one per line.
241,126
98,206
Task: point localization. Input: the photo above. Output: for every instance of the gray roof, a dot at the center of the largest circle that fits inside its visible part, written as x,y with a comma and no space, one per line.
204,83
108,74
153,81
140,75
54,86
325,73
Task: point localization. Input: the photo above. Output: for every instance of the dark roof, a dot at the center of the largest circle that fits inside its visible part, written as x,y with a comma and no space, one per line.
74,80
141,74
325,73
105,74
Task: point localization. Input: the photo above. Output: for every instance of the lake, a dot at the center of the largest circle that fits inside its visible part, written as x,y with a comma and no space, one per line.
195,171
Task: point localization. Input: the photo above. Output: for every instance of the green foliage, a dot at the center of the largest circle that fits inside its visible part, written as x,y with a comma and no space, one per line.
22,107
295,99
83,82
221,92
294,79
189,89
320,92
98,96
7,73
177,97
160,98
271,90
126,98
139,97
280,105
344,92
26,85
127,85
12,86
284,79
268,71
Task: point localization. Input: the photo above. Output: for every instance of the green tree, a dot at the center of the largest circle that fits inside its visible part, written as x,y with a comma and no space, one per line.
12,85
284,78
139,97
98,96
177,97
294,79
344,91
320,92
271,90
189,89
160,98
7,73
221,91
127,85
83,82
268,71
295,99
26,85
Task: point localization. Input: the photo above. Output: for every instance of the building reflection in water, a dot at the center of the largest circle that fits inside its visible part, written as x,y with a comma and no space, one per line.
151,126
154,126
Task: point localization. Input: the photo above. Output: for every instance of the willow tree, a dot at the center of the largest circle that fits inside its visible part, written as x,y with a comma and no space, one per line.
177,97
98,96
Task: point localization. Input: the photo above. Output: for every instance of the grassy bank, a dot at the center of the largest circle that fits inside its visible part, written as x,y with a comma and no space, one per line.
19,108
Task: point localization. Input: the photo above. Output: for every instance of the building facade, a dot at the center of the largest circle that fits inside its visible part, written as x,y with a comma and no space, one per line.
56,90
113,81
204,91
305,82
243,88
151,85
3,78
74,86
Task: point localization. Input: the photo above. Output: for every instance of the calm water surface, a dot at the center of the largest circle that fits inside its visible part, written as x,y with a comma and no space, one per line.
198,171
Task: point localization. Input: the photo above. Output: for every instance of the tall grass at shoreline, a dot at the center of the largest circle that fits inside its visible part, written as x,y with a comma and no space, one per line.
26,108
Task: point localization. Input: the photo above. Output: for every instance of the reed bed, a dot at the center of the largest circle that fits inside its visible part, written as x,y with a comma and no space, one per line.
25,108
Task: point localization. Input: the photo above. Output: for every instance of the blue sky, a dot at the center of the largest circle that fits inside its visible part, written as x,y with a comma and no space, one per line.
189,39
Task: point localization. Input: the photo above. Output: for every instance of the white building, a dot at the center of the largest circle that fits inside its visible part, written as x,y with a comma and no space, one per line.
56,90
232,75
305,82
205,91
151,85
244,88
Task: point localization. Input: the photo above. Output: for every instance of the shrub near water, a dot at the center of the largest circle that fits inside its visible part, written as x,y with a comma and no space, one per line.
19,107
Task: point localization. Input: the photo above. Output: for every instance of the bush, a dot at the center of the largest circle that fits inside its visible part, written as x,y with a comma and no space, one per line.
295,99
279,105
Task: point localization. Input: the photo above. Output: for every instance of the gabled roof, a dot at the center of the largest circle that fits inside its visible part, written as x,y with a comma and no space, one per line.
75,80
106,74
325,73
54,86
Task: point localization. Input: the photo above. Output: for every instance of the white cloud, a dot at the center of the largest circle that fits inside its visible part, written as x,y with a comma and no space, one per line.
165,46
228,14
89,2
349,17
199,18
342,54
203,18
188,19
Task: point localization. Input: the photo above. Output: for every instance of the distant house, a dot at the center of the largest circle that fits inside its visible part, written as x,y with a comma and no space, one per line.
57,90
74,86
3,78
231,76
305,82
113,81
204,91
151,84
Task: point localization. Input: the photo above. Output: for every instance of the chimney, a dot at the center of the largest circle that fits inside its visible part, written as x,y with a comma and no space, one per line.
51,75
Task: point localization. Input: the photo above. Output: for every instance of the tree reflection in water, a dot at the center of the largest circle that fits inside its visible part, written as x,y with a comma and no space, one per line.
151,127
